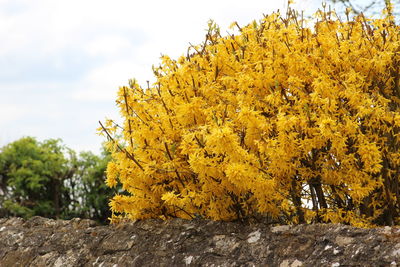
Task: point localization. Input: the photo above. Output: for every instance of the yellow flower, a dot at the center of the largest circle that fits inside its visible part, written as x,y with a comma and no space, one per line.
263,122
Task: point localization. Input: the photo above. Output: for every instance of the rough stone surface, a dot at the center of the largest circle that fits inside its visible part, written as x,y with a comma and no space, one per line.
46,242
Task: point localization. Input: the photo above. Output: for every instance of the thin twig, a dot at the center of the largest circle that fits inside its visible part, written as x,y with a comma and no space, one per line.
129,155
129,121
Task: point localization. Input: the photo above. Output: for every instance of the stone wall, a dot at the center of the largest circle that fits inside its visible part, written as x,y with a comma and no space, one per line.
46,242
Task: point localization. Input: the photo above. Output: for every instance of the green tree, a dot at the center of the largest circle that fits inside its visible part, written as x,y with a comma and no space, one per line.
89,195
32,176
48,179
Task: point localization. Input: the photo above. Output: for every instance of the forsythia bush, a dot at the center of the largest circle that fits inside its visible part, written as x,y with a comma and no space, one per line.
298,123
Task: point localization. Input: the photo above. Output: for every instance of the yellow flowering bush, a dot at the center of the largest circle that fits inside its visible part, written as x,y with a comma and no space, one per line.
294,122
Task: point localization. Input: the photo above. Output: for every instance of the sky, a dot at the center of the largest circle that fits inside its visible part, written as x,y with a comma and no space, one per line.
62,61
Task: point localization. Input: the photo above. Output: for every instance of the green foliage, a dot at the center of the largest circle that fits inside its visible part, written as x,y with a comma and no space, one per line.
17,209
33,173
48,179
88,192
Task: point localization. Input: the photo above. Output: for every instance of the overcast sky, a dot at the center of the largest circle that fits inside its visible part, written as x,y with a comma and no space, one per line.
62,61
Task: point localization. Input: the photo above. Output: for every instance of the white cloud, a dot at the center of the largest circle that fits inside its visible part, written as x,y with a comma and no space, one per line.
111,45
103,82
11,112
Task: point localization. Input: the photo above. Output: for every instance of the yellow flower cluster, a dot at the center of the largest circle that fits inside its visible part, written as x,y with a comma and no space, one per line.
298,123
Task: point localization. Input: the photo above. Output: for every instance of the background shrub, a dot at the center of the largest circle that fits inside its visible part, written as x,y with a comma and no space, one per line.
48,179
